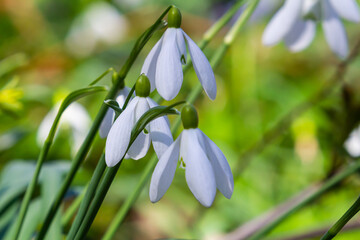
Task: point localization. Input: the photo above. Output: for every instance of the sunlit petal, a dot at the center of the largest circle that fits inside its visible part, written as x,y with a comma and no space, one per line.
181,45
282,22
164,171
169,75
119,135
198,172
223,174
347,9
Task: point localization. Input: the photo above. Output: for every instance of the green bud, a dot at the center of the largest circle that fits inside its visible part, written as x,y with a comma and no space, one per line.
189,117
174,18
142,87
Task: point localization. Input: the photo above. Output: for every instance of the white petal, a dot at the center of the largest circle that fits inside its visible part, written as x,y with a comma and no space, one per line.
110,115
202,68
181,45
198,172
347,9
149,66
334,31
141,145
122,95
119,135
352,144
106,123
282,22
164,171
160,133
301,35
169,75
223,174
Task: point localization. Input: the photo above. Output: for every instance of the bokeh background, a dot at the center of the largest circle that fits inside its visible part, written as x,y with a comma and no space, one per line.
50,48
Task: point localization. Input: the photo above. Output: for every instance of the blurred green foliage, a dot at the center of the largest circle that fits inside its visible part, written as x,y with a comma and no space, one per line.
257,86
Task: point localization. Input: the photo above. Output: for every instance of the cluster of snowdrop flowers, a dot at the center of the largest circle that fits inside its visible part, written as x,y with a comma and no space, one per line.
206,167
295,23
163,65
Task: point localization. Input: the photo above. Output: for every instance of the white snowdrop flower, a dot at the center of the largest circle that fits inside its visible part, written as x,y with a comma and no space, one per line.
75,118
163,65
158,131
295,23
100,24
352,144
110,114
206,168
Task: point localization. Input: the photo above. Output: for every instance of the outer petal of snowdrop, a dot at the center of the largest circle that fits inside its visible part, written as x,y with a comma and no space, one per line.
164,171
301,35
334,31
282,22
119,135
223,174
181,45
149,67
169,75
202,68
141,145
160,133
199,173
347,9
352,144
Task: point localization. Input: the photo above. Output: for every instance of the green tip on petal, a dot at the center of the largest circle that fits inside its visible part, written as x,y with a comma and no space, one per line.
174,18
189,117
142,87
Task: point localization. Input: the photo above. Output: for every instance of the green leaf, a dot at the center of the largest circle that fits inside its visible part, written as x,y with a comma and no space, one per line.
150,115
114,105
12,62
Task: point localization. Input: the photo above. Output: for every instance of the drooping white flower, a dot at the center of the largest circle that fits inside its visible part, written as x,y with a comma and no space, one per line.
295,23
163,65
74,117
352,143
206,168
110,114
158,131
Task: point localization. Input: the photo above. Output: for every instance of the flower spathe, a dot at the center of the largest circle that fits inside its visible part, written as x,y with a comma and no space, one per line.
163,65
295,23
206,167
110,114
119,136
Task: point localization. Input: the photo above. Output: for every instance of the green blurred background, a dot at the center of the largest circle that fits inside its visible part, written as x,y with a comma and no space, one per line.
50,48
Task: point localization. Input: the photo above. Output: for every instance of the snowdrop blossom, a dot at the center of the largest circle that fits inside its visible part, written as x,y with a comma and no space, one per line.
206,167
295,23
352,144
75,117
158,131
163,65
110,114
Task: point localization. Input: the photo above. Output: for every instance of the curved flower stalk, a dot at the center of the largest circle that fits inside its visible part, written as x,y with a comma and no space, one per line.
163,65
74,117
158,131
206,167
295,23
110,114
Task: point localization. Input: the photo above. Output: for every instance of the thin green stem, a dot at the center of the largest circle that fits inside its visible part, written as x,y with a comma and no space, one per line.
71,210
45,150
326,187
194,94
90,193
80,156
350,213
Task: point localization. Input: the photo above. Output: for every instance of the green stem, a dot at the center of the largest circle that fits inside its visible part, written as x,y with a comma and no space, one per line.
90,192
350,213
215,60
327,186
94,128
45,150
71,210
